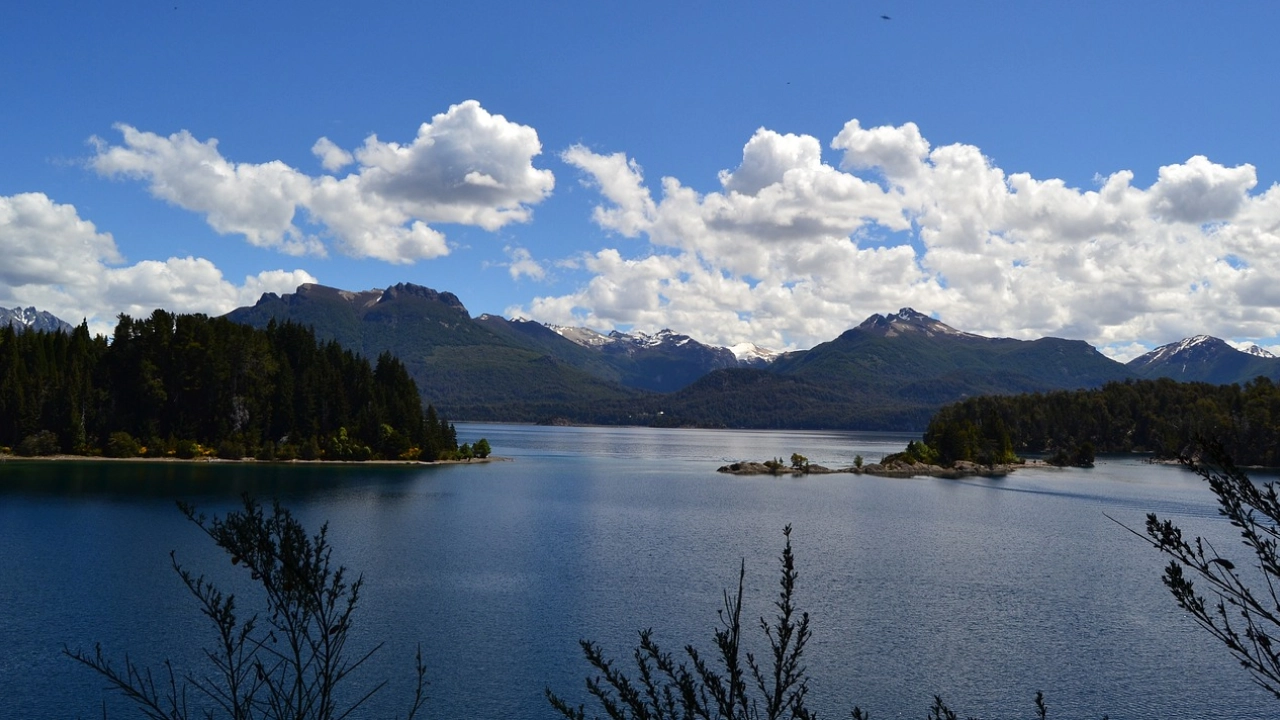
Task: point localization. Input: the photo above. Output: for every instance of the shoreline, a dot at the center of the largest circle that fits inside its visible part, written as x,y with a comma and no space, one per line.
247,461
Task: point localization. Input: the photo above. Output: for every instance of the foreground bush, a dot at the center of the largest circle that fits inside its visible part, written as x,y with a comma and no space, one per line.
39,444
1243,615
290,662
122,445
730,686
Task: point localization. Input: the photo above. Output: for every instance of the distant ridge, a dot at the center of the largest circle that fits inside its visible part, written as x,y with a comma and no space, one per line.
29,318
664,361
891,372
1204,358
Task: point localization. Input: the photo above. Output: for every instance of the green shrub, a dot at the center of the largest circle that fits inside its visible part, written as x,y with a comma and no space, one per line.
122,445
155,448
186,449
231,450
39,444
799,462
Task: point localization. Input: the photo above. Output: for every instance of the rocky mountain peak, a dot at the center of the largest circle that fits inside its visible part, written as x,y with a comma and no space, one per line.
400,290
1256,351
665,336
585,337
752,354
908,320
315,291
1199,348
29,318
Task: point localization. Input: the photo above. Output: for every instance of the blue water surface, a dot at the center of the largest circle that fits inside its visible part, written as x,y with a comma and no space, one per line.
981,590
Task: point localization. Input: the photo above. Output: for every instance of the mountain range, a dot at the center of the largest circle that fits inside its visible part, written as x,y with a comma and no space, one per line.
891,372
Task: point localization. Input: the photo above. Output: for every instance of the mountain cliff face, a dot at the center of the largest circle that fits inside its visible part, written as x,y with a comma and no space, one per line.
1206,359
23,319
474,369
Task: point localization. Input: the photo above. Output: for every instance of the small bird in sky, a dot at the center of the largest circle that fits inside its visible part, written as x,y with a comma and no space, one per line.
885,17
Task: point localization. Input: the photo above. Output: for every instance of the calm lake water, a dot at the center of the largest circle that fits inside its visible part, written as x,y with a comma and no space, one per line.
982,591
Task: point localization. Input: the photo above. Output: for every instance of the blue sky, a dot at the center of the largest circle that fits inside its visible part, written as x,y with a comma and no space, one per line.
767,172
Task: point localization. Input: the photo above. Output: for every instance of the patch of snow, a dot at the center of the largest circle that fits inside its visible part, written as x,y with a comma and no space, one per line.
747,352
585,337
1176,351
29,318
909,320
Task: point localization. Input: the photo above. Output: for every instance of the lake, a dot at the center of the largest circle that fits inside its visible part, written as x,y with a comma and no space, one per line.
982,590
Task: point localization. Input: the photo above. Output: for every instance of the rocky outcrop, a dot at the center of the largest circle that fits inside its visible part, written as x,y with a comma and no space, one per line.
759,468
894,469
961,469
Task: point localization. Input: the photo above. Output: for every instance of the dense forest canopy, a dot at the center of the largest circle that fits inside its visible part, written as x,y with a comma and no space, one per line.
186,384
1162,416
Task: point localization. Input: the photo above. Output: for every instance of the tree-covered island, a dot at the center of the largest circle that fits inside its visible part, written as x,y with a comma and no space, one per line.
187,386
986,435
1161,417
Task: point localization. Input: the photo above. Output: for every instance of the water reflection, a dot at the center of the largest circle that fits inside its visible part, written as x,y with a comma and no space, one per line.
169,480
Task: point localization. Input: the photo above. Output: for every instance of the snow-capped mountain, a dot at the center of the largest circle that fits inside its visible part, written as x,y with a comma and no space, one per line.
908,320
1188,350
745,353
1205,358
752,354
663,361
638,340
586,337
29,318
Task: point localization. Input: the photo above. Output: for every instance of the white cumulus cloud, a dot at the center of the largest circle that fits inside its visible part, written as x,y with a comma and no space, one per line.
795,249
59,262
466,166
332,157
522,264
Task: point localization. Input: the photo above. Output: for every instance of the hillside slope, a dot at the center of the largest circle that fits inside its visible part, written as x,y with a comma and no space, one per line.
464,367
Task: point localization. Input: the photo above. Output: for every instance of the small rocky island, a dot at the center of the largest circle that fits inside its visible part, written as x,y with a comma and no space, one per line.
897,465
